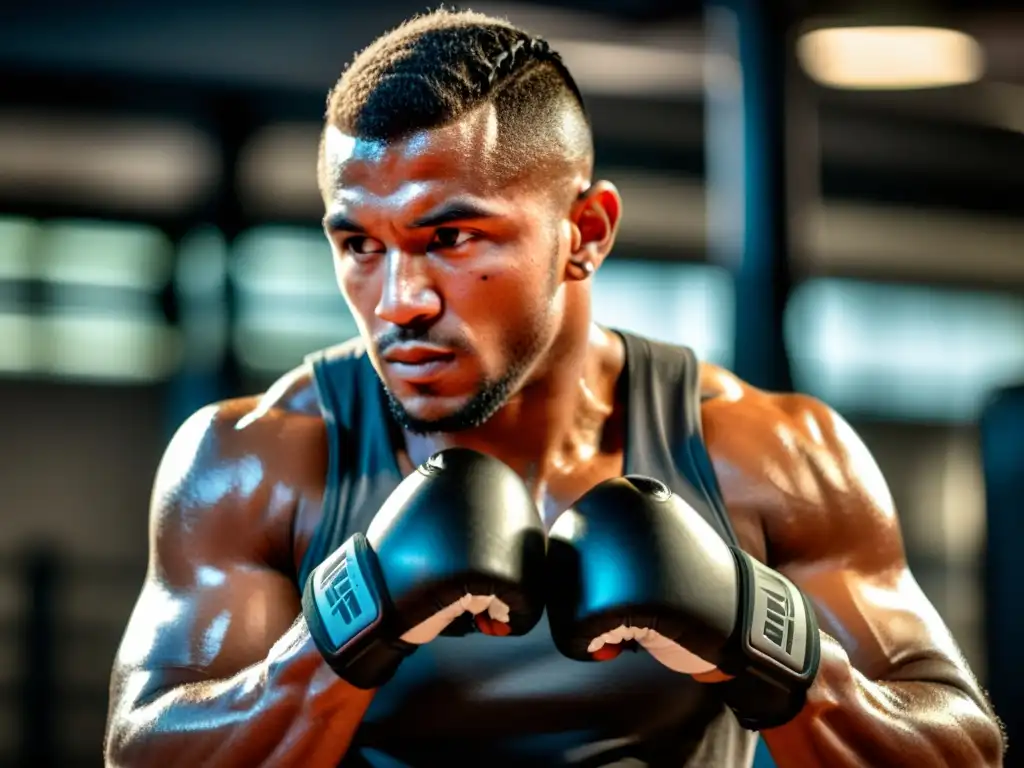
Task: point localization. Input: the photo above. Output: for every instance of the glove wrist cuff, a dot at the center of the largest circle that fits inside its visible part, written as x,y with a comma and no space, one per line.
347,610
779,644
375,664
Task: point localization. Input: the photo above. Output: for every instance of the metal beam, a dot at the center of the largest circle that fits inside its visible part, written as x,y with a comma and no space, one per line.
751,176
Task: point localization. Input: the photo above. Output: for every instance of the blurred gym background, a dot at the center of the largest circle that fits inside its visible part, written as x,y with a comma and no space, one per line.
818,203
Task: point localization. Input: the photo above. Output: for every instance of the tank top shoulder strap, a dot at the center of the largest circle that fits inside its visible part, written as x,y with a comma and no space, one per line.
360,455
664,438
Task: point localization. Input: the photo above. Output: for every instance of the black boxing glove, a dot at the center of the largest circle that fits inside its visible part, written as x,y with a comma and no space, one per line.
631,562
459,538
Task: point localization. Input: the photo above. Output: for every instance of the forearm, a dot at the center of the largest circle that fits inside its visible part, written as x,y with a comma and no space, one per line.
850,720
288,710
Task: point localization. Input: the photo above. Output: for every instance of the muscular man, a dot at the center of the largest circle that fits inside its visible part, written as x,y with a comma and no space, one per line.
465,226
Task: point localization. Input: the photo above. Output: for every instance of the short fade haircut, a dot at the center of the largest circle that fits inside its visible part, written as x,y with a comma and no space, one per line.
435,68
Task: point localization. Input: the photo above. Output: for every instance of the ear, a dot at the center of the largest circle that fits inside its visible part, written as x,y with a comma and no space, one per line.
595,221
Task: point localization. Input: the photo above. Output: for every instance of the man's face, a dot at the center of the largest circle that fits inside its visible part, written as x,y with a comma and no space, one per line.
449,264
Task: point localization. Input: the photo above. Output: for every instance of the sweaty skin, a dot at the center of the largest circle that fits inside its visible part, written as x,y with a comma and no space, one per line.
806,498
217,667
215,670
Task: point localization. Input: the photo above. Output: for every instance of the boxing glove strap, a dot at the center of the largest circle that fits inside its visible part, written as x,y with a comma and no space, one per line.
375,664
347,609
779,646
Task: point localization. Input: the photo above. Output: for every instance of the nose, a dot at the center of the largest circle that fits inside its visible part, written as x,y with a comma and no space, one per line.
408,296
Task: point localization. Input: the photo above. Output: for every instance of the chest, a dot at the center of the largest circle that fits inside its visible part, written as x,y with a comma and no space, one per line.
565,488
745,496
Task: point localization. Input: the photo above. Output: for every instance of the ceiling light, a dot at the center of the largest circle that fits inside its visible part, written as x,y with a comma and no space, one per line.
890,57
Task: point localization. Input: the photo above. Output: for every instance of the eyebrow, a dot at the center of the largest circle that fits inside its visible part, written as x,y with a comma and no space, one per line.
451,212
446,214
339,222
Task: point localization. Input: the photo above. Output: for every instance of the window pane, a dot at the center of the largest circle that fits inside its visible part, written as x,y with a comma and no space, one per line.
107,254
98,315
903,352
680,303
288,301
16,237
200,283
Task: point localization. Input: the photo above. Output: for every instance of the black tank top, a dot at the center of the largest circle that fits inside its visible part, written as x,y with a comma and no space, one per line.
479,700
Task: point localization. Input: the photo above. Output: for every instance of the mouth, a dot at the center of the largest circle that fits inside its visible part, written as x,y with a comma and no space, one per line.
418,363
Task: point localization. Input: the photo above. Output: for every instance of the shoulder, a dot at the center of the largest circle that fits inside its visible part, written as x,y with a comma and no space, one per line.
727,396
241,427
243,464
798,466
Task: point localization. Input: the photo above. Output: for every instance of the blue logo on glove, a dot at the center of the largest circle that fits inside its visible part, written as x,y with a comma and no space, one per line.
339,593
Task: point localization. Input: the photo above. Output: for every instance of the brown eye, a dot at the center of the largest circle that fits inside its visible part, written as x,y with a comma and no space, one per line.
362,246
449,237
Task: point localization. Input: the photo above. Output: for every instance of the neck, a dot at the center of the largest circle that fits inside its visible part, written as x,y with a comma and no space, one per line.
554,424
